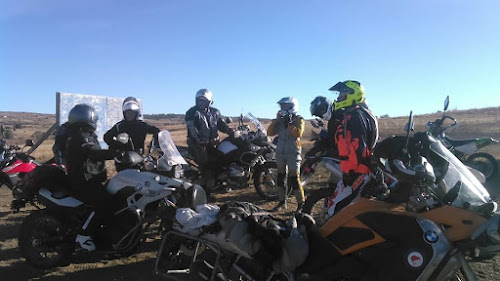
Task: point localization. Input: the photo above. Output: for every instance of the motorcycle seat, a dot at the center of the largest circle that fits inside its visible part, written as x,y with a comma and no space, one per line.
456,142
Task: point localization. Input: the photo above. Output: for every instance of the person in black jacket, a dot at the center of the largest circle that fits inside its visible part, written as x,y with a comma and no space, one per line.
203,125
59,146
132,125
86,170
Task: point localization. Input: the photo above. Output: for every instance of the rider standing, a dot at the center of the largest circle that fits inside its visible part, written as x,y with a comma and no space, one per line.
289,127
203,125
355,138
86,169
132,125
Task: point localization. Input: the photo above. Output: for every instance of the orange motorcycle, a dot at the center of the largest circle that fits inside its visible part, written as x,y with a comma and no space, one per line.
437,214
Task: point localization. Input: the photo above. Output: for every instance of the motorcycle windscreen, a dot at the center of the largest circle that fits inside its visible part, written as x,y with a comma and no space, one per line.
171,156
255,121
472,191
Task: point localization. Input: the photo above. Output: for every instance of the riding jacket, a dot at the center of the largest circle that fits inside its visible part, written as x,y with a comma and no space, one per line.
85,158
137,131
203,125
290,131
355,138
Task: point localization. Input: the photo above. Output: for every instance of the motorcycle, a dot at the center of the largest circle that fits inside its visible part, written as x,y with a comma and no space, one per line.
244,156
147,193
435,215
320,153
466,150
14,163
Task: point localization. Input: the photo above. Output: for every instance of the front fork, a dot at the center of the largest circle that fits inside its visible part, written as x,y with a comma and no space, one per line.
465,268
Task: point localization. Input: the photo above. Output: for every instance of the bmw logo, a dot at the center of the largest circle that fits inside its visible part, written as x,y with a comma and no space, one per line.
431,236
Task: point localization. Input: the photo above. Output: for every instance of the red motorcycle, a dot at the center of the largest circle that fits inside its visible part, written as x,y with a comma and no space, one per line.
14,163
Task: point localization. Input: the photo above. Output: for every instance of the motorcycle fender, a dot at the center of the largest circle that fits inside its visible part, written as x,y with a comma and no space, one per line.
479,176
467,148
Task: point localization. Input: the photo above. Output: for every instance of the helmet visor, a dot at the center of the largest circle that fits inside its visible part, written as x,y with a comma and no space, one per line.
202,102
341,87
286,106
131,105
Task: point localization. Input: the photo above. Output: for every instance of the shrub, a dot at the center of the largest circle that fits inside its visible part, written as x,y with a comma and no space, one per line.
9,134
18,126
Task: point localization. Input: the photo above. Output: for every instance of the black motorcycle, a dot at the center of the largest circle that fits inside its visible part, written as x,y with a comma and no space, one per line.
244,156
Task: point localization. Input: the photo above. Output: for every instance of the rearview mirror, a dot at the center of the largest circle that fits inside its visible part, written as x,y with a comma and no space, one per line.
410,126
229,120
446,103
29,143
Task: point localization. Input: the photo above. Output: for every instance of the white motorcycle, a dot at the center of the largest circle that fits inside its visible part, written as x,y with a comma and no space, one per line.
47,236
467,150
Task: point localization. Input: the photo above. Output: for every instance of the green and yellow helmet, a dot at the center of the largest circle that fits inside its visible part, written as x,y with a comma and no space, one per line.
354,90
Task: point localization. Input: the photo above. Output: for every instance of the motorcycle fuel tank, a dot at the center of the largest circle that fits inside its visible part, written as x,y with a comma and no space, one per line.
143,182
226,146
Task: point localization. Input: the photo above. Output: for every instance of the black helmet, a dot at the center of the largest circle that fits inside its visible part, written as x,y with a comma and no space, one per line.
132,104
83,114
321,107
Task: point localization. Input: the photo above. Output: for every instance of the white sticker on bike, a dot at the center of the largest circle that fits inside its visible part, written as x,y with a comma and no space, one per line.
341,192
415,259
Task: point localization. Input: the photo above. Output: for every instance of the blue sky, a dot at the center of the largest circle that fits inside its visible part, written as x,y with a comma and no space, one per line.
408,54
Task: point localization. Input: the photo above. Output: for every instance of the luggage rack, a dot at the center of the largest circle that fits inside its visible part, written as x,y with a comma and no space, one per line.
181,274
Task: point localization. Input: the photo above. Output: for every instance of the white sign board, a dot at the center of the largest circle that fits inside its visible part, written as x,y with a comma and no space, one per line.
108,109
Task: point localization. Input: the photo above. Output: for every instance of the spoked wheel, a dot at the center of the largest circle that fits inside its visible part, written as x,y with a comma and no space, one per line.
483,162
43,242
265,181
316,205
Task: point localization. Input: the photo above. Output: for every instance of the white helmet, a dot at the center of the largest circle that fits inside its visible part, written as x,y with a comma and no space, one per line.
204,93
133,104
294,108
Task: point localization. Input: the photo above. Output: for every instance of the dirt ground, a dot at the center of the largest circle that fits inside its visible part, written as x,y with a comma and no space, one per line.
139,266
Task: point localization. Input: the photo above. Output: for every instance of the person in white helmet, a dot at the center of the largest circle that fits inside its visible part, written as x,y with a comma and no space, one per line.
203,125
132,125
289,127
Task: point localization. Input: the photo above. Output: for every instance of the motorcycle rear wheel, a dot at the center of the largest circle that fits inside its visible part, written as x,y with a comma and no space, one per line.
41,241
483,162
315,204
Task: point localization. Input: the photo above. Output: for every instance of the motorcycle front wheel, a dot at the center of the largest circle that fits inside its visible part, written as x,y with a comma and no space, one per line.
265,181
316,204
42,242
483,162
